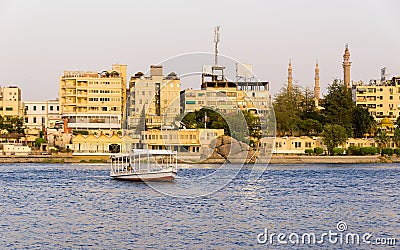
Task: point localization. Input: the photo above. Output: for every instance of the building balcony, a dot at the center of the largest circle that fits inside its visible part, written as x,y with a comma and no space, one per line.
94,125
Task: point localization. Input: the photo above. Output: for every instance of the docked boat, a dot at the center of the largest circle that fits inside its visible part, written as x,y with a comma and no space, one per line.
144,165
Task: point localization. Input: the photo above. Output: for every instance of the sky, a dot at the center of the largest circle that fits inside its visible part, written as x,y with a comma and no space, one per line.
42,38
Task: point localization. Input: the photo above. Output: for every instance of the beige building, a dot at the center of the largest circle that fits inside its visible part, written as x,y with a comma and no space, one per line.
298,145
382,98
226,96
93,101
10,101
153,100
183,140
102,145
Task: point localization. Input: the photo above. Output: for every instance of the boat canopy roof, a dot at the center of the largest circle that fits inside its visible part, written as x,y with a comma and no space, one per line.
146,152
152,152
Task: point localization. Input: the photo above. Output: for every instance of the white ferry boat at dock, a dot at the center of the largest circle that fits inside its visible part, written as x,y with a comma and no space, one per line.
144,165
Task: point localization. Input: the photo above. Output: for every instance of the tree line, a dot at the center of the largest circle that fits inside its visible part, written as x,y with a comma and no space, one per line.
13,125
337,119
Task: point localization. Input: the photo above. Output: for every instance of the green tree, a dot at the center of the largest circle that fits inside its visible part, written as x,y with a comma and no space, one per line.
142,122
338,106
398,121
396,136
12,124
39,141
311,127
362,121
333,136
288,110
382,139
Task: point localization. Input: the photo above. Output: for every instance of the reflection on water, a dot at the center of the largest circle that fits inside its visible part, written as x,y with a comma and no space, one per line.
79,206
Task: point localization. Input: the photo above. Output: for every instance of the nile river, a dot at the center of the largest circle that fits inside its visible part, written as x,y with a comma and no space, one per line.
80,207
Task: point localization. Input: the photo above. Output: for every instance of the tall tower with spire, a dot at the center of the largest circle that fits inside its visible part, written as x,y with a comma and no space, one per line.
346,67
290,77
316,85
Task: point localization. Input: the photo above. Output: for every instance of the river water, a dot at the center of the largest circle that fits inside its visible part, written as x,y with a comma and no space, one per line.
80,207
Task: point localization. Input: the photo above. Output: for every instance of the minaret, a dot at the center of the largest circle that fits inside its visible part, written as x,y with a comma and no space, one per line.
346,67
290,78
316,85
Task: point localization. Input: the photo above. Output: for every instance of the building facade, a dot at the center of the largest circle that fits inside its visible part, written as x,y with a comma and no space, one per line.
42,114
10,102
93,101
225,96
153,100
382,98
182,140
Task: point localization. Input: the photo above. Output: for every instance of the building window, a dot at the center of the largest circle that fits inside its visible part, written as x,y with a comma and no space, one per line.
58,108
297,144
42,108
34,108
34,119
43,120
9,108
26,119
51,108
308,144
104,108
391,97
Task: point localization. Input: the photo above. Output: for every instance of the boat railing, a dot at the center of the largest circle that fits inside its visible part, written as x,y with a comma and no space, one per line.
139,162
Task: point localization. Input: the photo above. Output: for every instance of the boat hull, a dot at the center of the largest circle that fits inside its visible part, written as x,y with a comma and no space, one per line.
147,176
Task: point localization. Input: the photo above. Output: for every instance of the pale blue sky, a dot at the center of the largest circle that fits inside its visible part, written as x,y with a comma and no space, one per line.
41,39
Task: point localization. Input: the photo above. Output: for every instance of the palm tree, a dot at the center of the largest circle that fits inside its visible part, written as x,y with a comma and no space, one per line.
396,137
382,139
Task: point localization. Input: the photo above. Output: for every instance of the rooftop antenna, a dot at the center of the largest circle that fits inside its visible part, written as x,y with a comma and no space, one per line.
216,41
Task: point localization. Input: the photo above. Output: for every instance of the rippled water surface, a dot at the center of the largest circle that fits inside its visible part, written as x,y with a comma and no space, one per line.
79,206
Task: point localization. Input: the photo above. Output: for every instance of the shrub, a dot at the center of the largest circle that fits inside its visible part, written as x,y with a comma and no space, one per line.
39,141
337,151
309,151
397,151
387,151
318,151
353,150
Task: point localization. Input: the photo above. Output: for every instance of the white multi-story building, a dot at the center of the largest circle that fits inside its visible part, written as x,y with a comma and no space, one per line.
41,114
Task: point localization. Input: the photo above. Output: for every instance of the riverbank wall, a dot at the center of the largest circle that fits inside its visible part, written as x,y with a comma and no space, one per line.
275,159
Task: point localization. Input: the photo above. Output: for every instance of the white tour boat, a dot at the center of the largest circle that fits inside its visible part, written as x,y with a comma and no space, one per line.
144,165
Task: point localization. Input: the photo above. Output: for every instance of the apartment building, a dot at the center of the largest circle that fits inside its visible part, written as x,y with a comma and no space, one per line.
93,101
10,101
226,96
381,97
42,114
153,100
